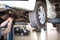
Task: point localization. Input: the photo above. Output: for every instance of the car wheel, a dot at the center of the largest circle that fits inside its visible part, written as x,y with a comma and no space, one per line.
38,16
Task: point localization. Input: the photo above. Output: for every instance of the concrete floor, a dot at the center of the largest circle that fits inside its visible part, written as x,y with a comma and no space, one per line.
50,34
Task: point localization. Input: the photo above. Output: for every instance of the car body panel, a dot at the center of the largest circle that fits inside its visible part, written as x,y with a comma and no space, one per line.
28,5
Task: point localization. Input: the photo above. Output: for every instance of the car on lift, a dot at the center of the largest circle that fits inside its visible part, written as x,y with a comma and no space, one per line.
37,12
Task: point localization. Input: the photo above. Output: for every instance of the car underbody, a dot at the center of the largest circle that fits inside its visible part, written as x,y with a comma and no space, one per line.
34,17
24,15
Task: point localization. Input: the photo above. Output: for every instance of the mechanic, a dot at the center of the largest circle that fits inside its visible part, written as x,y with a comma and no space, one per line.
8,21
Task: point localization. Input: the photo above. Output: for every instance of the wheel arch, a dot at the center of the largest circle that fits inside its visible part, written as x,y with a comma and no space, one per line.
44,1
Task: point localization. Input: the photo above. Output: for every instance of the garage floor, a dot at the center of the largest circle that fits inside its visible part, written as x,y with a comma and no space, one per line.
51,34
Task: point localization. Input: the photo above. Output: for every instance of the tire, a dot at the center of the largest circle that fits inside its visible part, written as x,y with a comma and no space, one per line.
34,15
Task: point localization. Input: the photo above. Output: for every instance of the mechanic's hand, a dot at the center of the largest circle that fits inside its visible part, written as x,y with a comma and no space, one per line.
3,24
9,19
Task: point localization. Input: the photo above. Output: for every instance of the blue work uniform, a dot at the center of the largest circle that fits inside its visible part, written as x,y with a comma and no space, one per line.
0,34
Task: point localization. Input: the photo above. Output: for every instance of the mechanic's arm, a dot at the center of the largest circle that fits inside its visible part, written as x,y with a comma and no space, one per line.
4,23
7,30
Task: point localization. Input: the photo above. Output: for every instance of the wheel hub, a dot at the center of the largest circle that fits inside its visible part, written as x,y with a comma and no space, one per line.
41,15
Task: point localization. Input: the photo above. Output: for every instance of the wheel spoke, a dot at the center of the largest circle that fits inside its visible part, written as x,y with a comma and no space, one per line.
42,15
